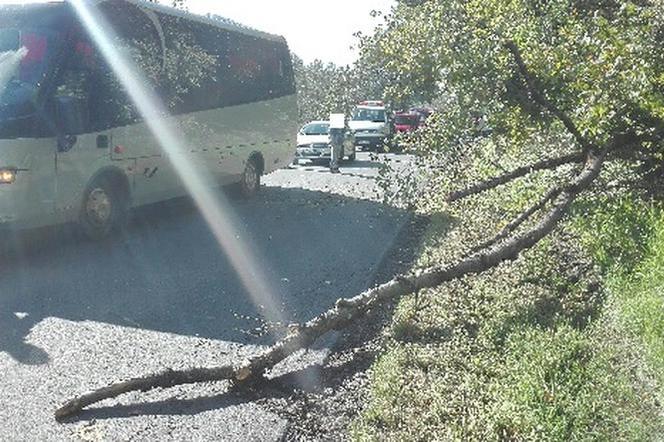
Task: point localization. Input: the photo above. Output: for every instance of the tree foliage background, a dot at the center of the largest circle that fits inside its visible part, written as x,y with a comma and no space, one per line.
597,62
324,88
544,348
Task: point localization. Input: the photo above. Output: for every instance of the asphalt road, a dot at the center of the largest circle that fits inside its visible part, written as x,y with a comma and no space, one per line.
75,314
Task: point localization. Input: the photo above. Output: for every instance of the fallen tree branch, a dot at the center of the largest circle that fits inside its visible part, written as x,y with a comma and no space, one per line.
540,99
516,223
552,163
347,310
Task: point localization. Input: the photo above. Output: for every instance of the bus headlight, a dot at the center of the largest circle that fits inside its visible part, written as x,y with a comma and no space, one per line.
7,176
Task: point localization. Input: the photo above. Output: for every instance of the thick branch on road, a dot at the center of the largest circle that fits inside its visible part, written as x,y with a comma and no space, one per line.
540,99
348,310
492,183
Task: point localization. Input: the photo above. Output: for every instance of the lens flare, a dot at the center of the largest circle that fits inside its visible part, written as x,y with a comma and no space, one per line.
214,207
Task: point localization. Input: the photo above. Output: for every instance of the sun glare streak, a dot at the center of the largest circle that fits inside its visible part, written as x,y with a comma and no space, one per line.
221,220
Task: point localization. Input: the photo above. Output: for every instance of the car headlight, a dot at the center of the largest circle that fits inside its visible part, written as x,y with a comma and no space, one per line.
7,176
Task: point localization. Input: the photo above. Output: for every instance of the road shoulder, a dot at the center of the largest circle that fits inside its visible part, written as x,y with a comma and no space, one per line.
326,411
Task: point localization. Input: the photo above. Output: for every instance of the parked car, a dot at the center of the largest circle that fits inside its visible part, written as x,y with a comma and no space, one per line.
313,143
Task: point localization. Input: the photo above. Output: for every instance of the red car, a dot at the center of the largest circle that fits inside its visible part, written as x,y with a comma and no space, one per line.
406,122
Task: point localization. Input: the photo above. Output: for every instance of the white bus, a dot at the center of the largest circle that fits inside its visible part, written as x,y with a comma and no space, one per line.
73,147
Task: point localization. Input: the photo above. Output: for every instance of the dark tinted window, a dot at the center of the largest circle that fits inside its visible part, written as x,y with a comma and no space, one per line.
31,40
406,119
87,77
137,37
255,69
211,67
193,66
316,129
190,79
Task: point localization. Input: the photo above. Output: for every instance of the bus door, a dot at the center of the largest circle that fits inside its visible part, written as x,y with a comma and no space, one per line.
154,176
82,141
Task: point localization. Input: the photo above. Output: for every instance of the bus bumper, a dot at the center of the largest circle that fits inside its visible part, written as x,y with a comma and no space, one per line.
22,208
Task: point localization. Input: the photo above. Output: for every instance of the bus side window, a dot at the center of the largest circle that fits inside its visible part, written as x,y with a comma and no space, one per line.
73,84
137,38
190,82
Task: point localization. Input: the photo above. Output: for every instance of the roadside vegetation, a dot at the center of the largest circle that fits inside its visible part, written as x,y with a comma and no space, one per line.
567,341
638,293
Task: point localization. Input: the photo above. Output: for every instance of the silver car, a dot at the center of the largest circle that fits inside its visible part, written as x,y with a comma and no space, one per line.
313,143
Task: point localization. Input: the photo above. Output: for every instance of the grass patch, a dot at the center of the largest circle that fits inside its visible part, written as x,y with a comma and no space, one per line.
563,385
640,299
533,350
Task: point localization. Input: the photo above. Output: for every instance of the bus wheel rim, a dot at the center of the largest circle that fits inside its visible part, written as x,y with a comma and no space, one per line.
99,207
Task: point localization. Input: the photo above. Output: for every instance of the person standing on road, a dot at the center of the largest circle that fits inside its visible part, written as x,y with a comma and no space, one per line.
337,134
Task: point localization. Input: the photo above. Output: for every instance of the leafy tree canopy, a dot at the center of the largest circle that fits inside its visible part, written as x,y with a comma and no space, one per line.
597,64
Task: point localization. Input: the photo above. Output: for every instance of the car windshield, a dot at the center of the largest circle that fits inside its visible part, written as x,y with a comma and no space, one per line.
316,129
406,119
373,115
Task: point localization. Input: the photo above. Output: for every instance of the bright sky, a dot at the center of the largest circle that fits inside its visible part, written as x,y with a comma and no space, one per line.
320,29
315,29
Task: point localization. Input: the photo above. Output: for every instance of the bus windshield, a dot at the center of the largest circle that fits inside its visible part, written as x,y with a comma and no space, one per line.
24,55
27,48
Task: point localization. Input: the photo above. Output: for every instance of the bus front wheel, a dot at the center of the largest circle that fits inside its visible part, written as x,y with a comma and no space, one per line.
103,209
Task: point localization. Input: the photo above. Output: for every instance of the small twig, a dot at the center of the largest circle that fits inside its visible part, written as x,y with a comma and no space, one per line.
552,163
516,223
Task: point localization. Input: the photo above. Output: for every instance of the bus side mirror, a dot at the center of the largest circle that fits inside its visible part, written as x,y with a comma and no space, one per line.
71,115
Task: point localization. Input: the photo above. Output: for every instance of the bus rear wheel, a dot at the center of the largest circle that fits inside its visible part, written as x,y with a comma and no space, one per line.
251,178
103,209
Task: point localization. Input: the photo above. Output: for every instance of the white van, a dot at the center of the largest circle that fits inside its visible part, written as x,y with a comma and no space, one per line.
371,125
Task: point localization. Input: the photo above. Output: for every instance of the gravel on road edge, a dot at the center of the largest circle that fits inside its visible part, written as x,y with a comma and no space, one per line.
326,411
